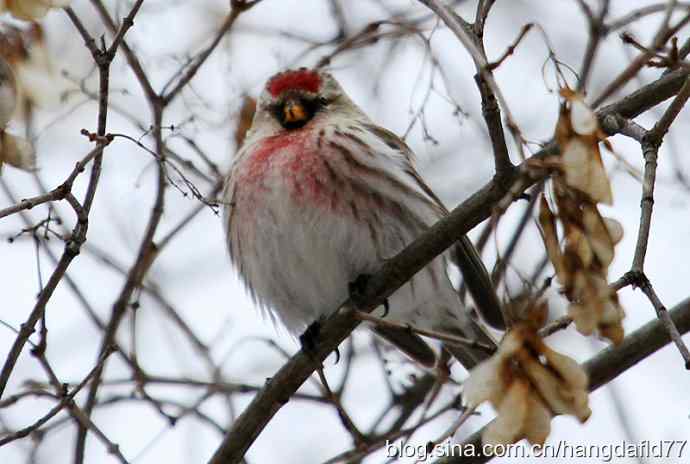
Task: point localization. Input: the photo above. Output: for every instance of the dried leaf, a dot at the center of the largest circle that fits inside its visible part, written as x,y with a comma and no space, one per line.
578,136
585,320
568,368
510,345
485,383
244,120
582,118
508,426
538,421
527,383
38,81
585,171
555,391
615,230
596,308
598,235
589,240
548,227
614,332
17,152
31,10
8,93
578,245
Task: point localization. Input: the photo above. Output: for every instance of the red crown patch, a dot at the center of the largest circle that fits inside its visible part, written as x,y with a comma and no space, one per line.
301,79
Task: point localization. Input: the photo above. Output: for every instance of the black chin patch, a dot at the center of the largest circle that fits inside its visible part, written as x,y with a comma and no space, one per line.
311,106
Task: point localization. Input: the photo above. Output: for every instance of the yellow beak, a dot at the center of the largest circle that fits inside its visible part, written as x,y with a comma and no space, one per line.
294,111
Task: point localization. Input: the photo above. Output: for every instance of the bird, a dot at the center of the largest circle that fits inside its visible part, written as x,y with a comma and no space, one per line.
319,195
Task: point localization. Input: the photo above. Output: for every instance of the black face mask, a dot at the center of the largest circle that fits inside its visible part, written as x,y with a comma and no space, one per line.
295,111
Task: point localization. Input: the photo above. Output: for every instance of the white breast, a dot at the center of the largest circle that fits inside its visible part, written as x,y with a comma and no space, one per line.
298,237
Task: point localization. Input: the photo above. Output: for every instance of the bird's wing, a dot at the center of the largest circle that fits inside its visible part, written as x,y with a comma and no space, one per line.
464,255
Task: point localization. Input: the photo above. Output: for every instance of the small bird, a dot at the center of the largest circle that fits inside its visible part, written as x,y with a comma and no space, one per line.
318,195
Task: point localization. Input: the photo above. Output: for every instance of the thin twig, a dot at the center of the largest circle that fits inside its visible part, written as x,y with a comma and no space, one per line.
56,409
357,436
238,7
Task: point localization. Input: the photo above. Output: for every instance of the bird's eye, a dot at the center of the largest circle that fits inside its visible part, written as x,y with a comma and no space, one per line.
323,101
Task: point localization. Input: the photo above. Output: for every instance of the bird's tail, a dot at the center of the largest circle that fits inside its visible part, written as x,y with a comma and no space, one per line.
479,347
480,344
479,283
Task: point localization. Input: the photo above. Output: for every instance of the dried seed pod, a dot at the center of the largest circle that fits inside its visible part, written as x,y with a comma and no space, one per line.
31,10
8,93
527,383
17,152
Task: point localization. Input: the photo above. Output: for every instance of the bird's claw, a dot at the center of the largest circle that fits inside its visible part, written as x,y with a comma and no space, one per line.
310,337
357,289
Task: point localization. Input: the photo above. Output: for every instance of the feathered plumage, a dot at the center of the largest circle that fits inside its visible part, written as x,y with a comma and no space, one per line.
318,195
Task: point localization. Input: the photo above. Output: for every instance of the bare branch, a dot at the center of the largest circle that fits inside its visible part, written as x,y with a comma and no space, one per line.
55,410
